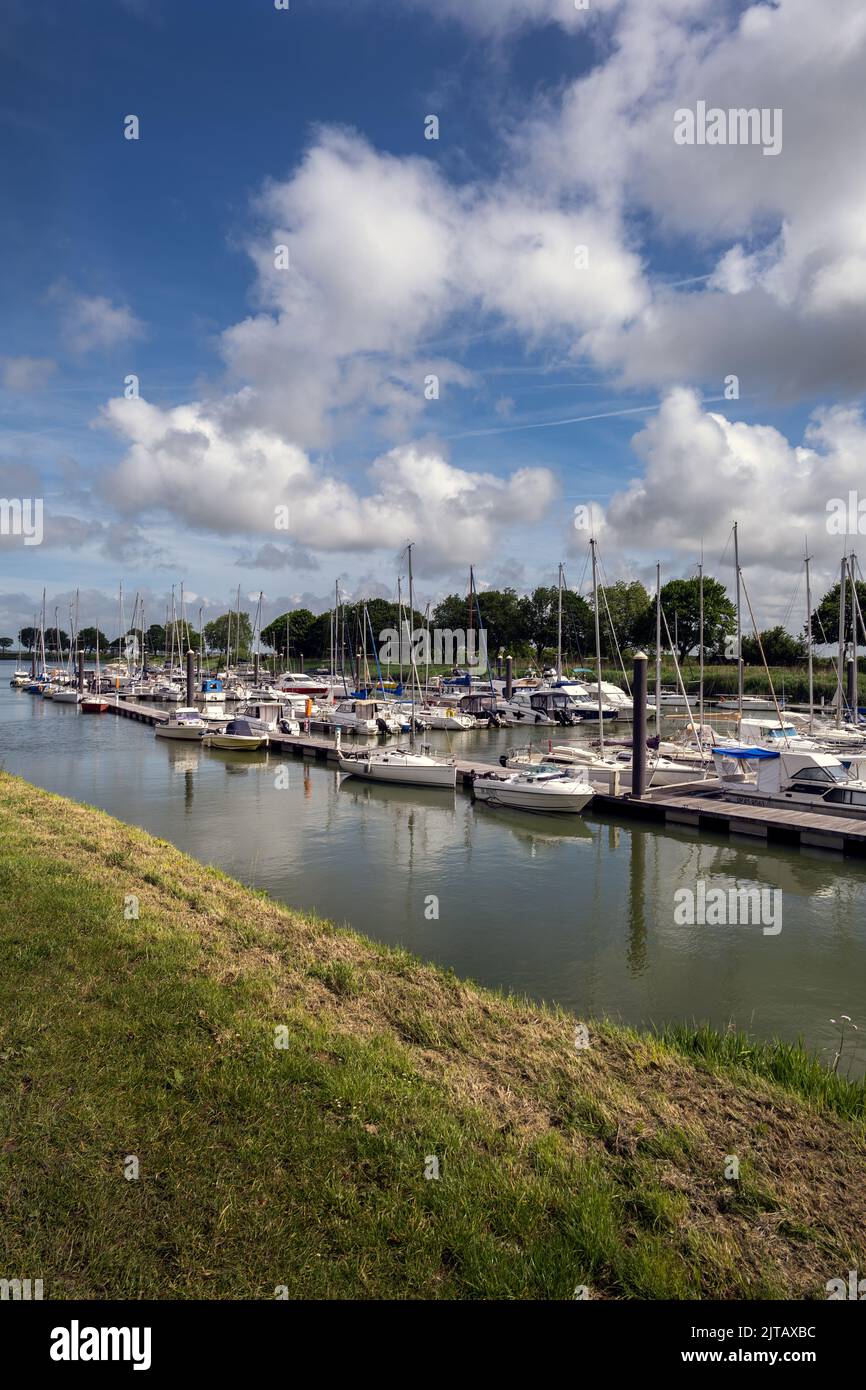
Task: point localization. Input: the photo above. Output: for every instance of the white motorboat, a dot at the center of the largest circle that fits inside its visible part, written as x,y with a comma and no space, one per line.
20,679
239,735
611,772
67,696
544,707
362,717
445,717
400,766
167,692
296,684
542,789
789,778
183,724
270,716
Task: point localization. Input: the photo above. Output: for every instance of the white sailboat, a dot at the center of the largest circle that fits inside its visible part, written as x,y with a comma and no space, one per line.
401,765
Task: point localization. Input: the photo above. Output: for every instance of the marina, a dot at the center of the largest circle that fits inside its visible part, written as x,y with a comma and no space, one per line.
597,887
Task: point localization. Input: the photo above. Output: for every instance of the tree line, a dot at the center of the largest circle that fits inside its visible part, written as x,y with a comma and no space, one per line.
521,625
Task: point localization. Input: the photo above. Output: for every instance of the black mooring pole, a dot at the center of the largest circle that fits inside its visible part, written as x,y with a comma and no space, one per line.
638,741
190,677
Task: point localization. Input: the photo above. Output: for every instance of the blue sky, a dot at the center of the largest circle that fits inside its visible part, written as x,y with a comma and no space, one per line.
409,257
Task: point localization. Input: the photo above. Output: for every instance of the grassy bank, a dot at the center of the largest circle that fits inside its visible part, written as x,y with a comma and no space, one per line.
304,1165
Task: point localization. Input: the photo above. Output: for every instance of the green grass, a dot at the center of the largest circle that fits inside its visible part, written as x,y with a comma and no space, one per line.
285,1086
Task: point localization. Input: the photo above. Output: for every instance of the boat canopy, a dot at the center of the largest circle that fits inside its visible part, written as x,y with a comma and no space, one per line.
742,753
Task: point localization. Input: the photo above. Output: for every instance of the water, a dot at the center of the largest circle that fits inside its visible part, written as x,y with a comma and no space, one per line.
575,912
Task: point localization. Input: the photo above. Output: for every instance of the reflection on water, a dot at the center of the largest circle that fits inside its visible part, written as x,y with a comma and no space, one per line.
577,911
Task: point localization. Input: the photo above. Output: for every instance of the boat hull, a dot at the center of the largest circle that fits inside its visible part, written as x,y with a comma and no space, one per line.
397,772
541,797
190,733
237,743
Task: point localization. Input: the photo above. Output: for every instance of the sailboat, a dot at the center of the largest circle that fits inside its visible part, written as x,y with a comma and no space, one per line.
95,702
400,765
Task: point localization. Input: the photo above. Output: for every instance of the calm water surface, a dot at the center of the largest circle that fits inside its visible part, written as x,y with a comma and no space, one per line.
581,914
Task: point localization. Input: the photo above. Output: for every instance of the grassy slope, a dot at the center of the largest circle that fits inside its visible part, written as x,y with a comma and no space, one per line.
305,1166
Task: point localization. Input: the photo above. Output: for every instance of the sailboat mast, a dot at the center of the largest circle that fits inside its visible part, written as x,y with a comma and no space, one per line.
852,711
597,644
658,648
701,647
840,689
411,654
559,629
809,643
739,628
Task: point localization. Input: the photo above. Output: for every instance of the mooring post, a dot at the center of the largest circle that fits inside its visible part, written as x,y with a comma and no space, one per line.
852,688
638,741
190,676
80,671
509,677
256,667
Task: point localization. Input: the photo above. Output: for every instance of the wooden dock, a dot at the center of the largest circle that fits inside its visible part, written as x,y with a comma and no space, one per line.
128,710
692,804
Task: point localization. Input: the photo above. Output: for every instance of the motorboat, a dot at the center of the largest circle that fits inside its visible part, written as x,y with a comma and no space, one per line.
20,679
183,724
490,709
212,692
269,715
544,707
94,703
167,692
293,683
362,717
789,778
543,789
445,717
239,735
399,765
609,771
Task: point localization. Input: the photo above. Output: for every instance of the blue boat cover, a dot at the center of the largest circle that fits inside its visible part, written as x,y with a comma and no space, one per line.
747,752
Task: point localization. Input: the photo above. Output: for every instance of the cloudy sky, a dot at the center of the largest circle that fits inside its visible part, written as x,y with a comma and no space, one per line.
284,295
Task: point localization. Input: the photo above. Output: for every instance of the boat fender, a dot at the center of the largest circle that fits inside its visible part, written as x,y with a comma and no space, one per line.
382,726
503,761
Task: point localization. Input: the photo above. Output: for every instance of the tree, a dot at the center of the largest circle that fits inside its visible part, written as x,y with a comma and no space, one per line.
296,625
87,638
217,632
825,619
5,643
28,637
628,604
155,639
681,607
539,612
780,648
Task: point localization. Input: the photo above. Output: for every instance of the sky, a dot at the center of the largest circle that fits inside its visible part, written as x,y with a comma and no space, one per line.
439,271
